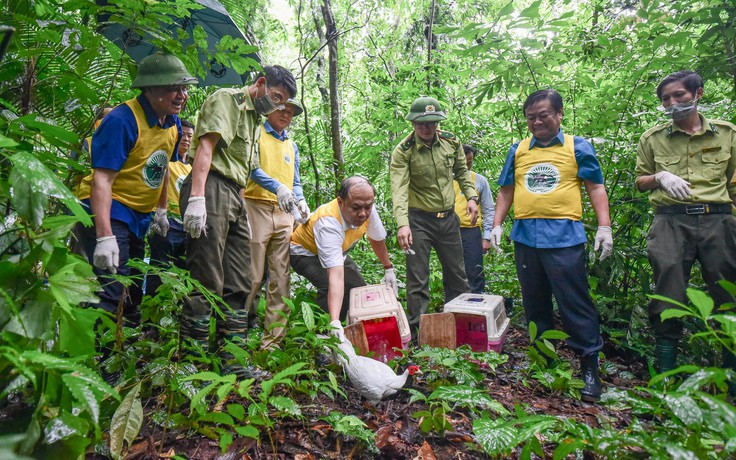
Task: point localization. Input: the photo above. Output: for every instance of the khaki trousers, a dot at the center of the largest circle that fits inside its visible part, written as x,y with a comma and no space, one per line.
271,230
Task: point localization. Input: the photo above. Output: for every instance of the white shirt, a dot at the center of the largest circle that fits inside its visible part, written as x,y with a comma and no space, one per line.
329,235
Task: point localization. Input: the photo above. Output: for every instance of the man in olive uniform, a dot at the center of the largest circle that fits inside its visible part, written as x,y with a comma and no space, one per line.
687,164
423,167
218,250
130,152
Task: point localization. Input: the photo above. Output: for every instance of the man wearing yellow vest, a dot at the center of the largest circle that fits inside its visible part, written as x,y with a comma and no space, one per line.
319,247
215,217
170,248
273,193
423,166
130,154
543,177
475,243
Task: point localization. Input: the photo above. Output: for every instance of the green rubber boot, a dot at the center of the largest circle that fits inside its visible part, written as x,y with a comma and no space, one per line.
665,353
195,335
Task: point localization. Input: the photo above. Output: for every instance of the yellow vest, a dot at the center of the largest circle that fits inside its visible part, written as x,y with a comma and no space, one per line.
277,160
304,234
461,205
139,182
546,184
178,171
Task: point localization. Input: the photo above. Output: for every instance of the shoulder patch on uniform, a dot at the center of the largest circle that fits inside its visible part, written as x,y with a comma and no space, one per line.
446,135
239,98
714,128
408,143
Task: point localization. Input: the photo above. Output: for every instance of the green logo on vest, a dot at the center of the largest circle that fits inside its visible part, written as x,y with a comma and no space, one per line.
155,169
180,182
542,178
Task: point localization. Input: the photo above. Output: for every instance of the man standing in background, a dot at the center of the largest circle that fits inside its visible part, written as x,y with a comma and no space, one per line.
475,242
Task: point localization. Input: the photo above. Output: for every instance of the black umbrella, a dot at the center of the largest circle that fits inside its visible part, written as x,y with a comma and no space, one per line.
213,18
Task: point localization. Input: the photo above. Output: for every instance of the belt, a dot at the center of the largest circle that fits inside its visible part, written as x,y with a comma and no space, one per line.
227,180
696,209
437,215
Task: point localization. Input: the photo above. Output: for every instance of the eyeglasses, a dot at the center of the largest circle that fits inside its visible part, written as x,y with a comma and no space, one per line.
426,125
541,117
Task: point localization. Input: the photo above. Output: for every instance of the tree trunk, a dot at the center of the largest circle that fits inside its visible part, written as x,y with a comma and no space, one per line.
331,36
430,26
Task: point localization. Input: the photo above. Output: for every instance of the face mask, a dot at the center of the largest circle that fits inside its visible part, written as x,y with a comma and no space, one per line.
679,112
265,105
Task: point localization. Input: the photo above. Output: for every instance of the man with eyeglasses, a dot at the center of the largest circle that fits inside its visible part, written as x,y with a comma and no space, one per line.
423,167
130,153
215,217
543,178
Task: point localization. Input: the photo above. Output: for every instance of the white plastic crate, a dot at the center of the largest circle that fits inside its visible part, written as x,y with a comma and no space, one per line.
480,321
378,301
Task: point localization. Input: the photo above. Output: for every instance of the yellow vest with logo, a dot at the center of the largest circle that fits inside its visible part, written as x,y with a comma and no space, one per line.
304,234
178,171
461,205
277,160
546,185
139,182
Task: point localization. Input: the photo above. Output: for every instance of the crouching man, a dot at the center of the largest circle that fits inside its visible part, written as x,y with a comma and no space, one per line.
319,247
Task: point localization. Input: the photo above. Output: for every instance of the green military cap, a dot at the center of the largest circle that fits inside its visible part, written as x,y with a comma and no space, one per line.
298,109
426,109
161,69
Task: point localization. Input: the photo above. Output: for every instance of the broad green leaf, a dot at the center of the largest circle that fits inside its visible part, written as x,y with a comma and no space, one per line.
468,397
217,417
702,301
249,431
236,410
126,422
63,427
77,332
553,334
71,289
33,320
674,313
494,436
308,316
532,331
79,387
686,409
285,404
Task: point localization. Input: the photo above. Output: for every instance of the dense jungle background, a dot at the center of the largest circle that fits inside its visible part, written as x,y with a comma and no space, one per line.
359,65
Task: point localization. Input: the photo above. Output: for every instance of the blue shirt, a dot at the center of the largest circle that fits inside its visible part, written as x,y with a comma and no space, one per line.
260,177
112,142
553,233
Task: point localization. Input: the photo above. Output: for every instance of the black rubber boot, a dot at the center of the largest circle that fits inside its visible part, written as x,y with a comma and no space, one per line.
665,353
593,387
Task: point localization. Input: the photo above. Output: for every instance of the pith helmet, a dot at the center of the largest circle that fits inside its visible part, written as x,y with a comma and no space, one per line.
161,69
298,109
426,109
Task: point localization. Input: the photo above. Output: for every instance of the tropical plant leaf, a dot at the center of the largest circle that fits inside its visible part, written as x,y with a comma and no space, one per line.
126,422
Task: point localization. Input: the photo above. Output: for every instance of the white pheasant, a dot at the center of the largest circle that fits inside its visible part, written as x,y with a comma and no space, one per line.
373,379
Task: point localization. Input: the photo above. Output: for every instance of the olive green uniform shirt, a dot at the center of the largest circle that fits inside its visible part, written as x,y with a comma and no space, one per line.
421,177
229,112
707,160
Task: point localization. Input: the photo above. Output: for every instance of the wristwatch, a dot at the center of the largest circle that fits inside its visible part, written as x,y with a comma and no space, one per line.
474,198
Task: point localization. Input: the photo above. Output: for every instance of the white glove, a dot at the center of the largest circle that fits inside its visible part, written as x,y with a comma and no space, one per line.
604,240
303,208
675,186
195,217
161,222
496,234
337,330
286,198
106,254
389,279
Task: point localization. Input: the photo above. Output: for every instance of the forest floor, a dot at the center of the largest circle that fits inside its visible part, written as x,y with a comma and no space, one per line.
397,432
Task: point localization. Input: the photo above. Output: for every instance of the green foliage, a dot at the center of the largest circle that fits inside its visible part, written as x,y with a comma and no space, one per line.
352,427
546,365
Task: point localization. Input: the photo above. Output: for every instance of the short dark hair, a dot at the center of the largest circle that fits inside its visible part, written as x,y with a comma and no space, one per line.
469,149
187,124
349,183
550,94
689,79
279,76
